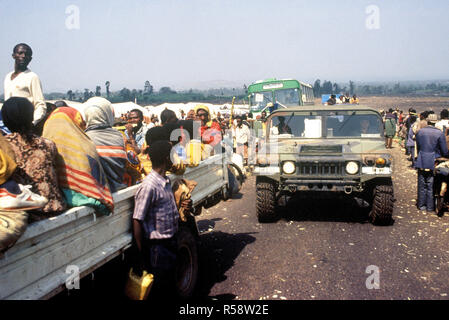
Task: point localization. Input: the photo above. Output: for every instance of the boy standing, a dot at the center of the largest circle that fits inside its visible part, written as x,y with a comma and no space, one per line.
155,218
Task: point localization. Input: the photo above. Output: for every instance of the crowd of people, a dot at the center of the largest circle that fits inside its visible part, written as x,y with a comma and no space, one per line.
342,99
424,138
53,158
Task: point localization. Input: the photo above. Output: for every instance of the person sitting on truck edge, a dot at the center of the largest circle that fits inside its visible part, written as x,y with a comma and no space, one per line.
35,155
135,130
108,141
80,173
155,220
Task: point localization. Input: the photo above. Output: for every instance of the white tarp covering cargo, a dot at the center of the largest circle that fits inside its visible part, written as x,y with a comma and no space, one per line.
124,107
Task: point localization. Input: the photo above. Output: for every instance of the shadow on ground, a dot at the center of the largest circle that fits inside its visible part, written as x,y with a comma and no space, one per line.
217,253
304,208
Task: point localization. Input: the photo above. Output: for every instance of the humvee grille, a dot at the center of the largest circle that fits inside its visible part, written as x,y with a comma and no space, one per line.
310,168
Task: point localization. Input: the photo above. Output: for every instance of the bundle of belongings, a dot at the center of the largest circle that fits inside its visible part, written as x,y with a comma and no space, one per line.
182,190
12,225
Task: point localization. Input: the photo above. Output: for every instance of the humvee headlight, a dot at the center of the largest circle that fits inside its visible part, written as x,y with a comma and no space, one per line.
288,167
352,167
380,162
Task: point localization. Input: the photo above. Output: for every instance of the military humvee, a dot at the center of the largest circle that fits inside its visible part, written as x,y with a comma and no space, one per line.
338,149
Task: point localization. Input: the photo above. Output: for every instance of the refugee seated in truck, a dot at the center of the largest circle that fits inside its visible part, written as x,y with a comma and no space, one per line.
35,156
80,173
108,141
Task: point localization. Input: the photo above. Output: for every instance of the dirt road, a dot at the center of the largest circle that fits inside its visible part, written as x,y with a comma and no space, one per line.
323,249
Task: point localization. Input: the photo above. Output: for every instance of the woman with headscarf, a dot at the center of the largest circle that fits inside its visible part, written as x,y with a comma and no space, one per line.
80,173
35,156
210,131
108,141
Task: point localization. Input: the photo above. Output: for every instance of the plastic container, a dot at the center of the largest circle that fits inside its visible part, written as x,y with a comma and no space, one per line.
138,288
194,152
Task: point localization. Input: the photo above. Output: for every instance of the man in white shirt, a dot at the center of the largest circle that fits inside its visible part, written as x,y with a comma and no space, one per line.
444,122
23,83
242,136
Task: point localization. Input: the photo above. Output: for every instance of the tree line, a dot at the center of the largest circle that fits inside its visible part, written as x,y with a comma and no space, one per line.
148,95
381,89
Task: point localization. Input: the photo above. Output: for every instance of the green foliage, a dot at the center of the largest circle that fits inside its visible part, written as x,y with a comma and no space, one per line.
383,89
146,95
143,98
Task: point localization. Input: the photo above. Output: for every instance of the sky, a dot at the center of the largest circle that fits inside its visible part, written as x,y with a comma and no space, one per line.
204,44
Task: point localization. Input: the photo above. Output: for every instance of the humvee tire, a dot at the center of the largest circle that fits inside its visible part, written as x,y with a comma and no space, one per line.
382,207
266,202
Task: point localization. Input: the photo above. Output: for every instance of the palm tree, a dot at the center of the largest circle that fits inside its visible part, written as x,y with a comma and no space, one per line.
107,84
148,88
70,94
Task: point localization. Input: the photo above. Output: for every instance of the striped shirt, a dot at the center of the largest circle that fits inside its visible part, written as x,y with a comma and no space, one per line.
155,207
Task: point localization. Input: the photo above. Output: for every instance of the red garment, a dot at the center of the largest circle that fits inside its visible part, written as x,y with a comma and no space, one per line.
211,134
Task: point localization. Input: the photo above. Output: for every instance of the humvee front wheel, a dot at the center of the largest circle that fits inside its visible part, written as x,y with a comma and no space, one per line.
382,208
266,202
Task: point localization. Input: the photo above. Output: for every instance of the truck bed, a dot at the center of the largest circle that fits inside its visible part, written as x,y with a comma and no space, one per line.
35,267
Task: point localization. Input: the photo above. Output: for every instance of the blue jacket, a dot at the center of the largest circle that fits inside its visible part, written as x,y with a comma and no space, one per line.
410,140
431,144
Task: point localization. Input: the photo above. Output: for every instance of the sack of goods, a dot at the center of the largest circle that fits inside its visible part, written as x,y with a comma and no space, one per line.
12,225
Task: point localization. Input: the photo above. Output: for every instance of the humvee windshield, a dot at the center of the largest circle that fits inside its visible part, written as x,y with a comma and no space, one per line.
320,124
